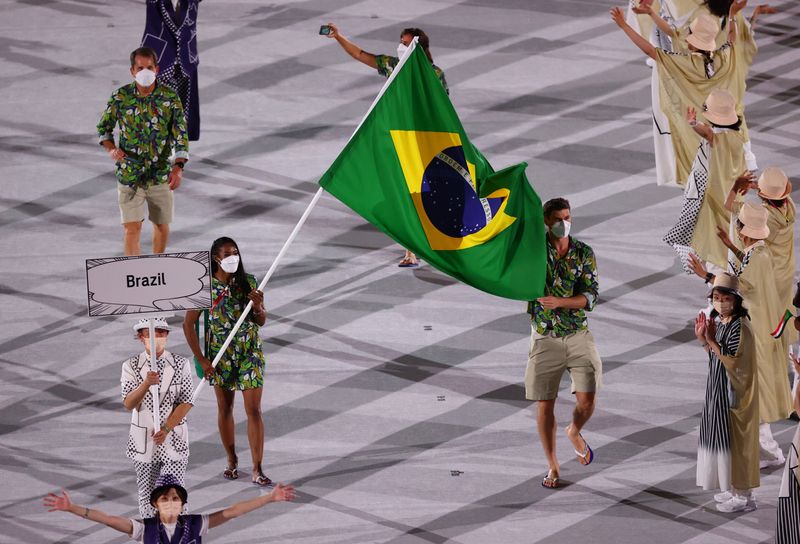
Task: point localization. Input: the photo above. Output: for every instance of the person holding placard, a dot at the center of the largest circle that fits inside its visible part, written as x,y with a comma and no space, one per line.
166,451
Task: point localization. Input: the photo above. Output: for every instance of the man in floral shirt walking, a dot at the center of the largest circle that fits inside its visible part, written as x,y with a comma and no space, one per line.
152,126
560,338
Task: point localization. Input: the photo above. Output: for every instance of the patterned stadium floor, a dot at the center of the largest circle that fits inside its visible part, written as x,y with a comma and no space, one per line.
393,398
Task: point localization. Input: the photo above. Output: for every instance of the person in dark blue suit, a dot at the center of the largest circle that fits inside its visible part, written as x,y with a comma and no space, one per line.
171,31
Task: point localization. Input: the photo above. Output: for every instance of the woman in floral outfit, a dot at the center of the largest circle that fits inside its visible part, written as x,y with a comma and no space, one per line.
242,366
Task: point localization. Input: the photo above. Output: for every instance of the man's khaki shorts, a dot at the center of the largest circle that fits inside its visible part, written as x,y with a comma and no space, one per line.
550,356
159,201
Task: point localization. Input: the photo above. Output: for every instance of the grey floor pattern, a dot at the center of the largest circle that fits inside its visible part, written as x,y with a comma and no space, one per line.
394,397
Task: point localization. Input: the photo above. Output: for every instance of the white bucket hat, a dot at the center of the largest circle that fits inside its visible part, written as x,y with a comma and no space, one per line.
703,32
754,219
773,184
720,108
158,322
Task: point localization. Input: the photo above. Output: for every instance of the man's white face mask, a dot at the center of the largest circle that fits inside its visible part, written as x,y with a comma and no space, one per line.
560,229
145,77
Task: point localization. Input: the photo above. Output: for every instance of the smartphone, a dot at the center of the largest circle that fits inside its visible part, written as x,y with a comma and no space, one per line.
325,30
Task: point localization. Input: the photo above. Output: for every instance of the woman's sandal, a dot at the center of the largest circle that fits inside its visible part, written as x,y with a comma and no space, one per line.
231,472
550,482
262,481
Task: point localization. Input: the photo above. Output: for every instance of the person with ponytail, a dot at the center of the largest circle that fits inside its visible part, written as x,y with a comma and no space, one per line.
241,368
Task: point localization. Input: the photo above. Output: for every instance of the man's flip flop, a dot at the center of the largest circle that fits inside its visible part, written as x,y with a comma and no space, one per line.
262,481
587,456
230,473
407,264
550,482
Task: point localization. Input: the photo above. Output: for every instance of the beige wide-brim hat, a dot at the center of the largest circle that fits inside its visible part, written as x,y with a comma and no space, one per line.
774,184
727,283
720,108
703,32
754,218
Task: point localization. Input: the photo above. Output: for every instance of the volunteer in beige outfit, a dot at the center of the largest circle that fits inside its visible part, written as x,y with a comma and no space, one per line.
758,287
560,338
774,189
717,165
686,79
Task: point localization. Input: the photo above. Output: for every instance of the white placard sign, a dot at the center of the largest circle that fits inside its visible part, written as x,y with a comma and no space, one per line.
148,283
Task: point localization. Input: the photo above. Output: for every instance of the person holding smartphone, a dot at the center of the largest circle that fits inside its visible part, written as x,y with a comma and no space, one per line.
385,65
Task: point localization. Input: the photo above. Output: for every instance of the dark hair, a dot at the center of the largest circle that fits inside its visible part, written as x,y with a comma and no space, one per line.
776,203
423,41
738,307
147,52
555,205
734,126
164,489
720,8
739,224
239,282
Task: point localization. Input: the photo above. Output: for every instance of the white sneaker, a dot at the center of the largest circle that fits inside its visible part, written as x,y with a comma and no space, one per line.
738,503
775,462
725,496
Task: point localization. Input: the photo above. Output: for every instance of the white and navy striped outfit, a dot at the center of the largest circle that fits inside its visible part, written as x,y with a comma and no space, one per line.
714,445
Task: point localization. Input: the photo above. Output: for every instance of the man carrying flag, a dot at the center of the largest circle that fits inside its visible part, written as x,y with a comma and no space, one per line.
560,338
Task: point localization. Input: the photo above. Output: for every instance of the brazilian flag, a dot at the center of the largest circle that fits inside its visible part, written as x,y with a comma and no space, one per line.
411,171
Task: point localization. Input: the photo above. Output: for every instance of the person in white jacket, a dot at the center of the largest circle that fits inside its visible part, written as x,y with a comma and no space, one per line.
156,451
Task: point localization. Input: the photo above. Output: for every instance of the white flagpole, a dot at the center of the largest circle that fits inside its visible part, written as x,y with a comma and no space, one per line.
154,389
296,229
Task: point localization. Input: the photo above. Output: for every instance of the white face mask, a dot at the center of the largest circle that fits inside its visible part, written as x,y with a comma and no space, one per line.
161,344
401,50
723,308
230,264
560,229
145,77
170,508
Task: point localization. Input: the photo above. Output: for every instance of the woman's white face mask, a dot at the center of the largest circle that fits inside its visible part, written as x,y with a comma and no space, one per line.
230,264
401,50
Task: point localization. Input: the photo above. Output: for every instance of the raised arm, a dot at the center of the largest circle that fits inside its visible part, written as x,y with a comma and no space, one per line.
352,49
647,48
55,502
280,493
741,185
647,9
702,130
761,8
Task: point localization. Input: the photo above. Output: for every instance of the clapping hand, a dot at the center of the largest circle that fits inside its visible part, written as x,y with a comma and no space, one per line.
700,324
745,182
691,115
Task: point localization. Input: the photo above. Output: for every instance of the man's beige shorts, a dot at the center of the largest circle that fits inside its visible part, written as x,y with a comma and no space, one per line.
159,203
549,357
